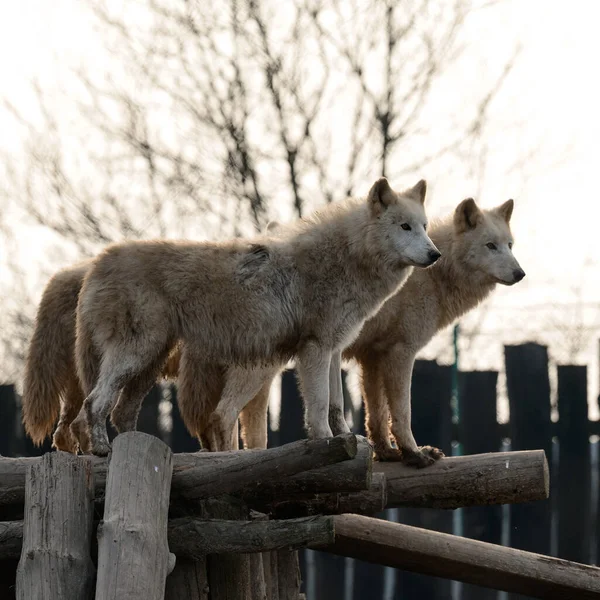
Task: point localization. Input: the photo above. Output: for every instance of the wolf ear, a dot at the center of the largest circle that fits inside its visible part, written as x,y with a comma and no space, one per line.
380,196
505,210
419,190
273,225
466,215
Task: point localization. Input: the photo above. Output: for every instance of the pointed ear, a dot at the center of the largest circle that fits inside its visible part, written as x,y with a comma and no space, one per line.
505,210
380,196
467,215
419,190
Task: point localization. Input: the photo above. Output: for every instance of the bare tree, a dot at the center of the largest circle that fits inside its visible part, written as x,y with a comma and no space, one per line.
212,118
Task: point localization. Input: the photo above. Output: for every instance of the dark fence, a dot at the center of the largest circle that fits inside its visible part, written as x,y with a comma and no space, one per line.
565,525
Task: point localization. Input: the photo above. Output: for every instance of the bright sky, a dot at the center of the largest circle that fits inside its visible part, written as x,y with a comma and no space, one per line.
550,101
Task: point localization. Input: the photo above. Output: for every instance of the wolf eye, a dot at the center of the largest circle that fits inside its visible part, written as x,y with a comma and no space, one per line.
510,245
406,226
491,246
425,226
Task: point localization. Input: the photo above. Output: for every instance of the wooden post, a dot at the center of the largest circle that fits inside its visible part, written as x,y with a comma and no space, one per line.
431,392
471,561
55,558
574,465
133,555
479,433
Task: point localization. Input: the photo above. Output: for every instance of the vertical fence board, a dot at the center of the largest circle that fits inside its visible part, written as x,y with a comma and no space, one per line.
574,465
8,420
528,386
431,391
479,433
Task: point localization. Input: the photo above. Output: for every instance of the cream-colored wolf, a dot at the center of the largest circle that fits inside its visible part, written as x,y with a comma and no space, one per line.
254,304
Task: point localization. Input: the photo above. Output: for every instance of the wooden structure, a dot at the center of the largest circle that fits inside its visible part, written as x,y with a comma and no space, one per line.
213,526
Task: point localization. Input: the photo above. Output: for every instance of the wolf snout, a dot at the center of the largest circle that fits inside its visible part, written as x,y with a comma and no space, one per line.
435,254
518,274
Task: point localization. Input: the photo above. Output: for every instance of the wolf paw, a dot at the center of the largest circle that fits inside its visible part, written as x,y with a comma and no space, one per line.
424,457
100,447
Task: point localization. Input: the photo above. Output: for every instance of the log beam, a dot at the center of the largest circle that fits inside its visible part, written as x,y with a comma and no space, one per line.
463,559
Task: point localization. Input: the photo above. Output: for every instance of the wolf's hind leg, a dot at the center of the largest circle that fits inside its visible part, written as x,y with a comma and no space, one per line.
125,414
63,438
241,386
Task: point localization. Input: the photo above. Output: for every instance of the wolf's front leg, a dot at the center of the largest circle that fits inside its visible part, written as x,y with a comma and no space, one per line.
337,421
313,368
397,375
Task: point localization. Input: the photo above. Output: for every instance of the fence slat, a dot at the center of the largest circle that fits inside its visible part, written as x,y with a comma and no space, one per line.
479,433
528,385
431,391
574,465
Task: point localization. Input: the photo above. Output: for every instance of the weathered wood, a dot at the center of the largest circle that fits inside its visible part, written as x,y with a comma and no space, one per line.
288,575
133,556
11,539
250,466
193,538
348,476
476,480
188,581
55,557
462,559
367,502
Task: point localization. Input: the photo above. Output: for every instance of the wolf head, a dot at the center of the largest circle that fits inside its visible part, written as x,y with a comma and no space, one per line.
485,241
400,225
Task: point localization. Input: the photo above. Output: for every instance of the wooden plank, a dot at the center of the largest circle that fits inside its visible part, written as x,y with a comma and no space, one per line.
574,507
133,554
431,393
55,557
528,387
471,561
479,433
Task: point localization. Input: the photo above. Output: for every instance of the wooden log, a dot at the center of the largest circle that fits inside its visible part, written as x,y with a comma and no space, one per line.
251,466
368,502
55,557
133,556
194,538
348,476
462,559
11,539
476,480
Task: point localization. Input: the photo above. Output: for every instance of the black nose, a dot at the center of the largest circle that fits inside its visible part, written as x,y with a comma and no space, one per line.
518,274
435,254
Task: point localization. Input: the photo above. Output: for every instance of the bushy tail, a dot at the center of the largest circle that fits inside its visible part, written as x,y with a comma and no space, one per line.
50,365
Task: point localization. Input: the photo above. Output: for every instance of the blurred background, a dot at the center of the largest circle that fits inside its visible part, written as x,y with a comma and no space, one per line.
139,119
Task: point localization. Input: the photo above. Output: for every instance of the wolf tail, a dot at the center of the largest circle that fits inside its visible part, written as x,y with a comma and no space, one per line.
50,364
